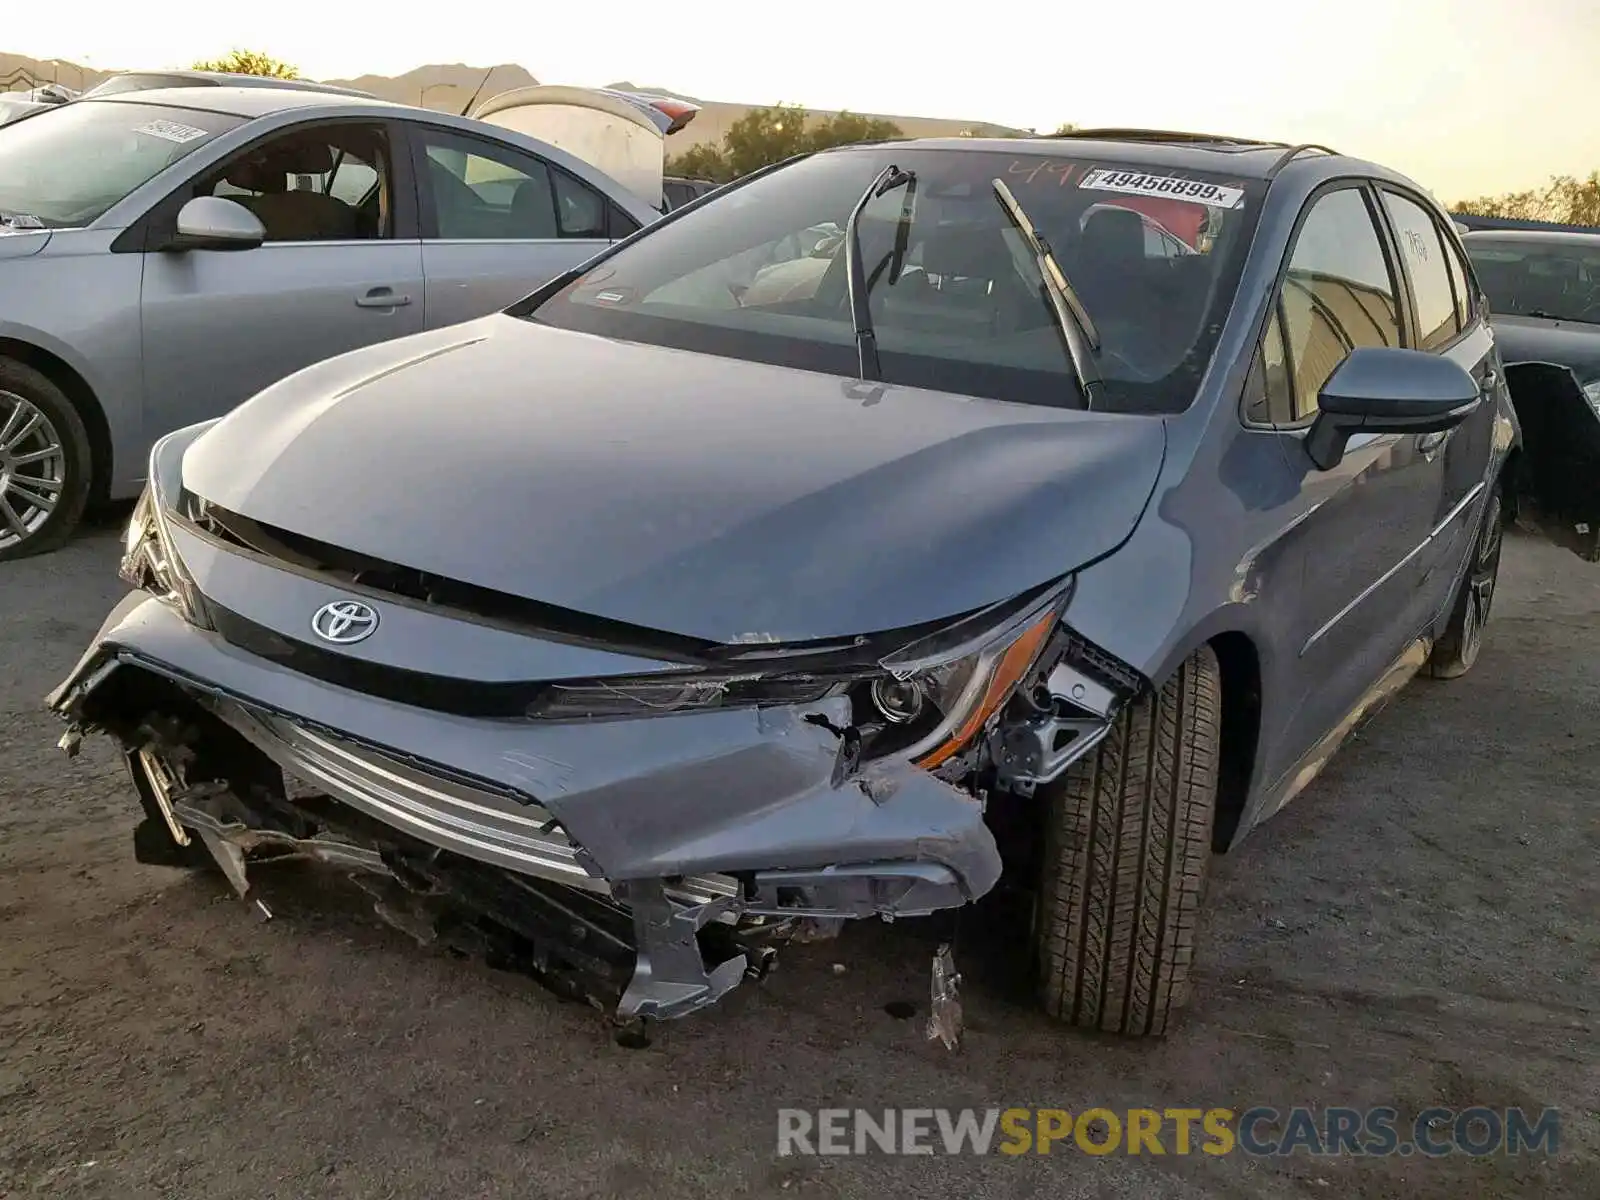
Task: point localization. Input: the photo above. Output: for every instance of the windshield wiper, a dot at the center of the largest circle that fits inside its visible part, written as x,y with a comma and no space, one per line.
888,179
1077,330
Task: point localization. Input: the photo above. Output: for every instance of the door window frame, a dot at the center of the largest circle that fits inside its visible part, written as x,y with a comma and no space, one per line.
159,221
1397,281
428,216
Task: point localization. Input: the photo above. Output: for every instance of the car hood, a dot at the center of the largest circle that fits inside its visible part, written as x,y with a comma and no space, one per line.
709,497
1571,344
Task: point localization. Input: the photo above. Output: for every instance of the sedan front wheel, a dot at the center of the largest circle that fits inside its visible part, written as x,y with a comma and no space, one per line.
44,463
1127,843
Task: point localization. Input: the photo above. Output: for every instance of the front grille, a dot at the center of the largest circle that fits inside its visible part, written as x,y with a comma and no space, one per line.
508,700
452,814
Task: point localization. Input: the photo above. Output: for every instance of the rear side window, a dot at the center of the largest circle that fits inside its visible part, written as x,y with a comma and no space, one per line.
1338,294
580,210
1422,250
1460,283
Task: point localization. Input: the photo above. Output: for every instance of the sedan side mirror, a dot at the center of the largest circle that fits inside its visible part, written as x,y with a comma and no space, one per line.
1381,390
217,223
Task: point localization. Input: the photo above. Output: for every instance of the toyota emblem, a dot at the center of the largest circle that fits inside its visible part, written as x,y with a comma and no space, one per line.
344,621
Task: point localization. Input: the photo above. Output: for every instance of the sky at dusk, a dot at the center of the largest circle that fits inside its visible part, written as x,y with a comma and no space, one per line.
1466,96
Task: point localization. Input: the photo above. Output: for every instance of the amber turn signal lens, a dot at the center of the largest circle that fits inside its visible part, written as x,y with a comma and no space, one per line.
1008,668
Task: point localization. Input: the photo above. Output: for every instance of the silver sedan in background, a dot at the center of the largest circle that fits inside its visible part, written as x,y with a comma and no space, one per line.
165,254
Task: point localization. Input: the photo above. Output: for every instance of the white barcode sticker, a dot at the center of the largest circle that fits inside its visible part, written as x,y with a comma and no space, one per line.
1137,183
171,131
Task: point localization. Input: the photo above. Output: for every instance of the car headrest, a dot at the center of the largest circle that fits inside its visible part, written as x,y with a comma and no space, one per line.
533,213
267,168
976,251
1113,236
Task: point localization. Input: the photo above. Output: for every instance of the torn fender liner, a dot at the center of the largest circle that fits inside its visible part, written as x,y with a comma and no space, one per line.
680,820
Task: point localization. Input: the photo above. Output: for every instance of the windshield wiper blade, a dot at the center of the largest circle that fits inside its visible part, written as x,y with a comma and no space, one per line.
888,179
1077,329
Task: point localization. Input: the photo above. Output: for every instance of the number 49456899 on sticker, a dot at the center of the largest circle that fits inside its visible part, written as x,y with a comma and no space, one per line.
1137,183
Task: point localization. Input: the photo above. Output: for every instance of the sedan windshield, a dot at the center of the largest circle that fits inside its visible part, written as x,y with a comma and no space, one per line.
955,295
67,167
1556,279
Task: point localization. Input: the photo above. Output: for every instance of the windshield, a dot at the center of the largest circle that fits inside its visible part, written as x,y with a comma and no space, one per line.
955,294
67,167
1539,279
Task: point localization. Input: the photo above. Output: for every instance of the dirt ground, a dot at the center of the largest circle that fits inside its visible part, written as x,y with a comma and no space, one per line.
1421,927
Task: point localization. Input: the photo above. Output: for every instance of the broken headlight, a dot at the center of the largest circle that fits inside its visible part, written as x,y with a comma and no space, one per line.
674,692
149,560
926,700
933,697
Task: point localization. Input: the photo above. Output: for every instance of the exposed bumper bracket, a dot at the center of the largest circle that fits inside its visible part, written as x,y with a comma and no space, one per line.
670,977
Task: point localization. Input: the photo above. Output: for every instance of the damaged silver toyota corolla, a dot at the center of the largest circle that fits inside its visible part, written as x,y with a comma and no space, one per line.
756,576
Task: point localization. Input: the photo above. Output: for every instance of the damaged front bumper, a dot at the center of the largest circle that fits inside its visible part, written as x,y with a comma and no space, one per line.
650,859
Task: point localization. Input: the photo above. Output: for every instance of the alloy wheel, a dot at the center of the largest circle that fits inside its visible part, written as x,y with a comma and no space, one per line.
33,469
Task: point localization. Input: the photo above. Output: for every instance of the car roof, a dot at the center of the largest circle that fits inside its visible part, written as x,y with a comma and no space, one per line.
240,101
235,79
1534,237
1241,158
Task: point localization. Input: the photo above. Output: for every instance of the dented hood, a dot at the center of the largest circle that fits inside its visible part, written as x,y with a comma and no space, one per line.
710,497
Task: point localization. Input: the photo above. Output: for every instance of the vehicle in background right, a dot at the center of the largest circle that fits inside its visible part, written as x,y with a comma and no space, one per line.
677,191
1544,295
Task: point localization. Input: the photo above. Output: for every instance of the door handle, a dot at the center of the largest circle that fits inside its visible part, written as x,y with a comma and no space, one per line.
382,297
1491,379
1429,444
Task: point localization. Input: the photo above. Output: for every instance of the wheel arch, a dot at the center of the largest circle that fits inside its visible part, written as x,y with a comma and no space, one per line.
82,397
1240,664
1238,656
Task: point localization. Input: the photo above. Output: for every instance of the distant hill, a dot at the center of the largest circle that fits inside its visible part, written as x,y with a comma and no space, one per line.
444,86
18,73
451,87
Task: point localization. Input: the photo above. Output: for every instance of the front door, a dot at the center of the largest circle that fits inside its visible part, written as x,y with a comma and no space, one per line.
220,325
497,223
1359,531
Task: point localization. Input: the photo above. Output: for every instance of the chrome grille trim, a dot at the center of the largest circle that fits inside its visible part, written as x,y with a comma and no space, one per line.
447,813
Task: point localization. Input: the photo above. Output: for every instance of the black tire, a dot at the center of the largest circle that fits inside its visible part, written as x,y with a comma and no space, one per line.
1457,647
65,482
1127,843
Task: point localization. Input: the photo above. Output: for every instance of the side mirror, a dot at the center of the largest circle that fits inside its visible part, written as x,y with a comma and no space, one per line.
217,223
1381,390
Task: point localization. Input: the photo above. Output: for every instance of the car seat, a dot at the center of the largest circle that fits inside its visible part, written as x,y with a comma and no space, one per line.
291,216
533,212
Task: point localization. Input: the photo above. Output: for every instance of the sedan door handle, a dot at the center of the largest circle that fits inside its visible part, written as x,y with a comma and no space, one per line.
1491,379
382,297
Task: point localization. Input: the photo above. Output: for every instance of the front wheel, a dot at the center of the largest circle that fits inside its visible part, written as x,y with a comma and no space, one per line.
45,468
1127,842
1458,646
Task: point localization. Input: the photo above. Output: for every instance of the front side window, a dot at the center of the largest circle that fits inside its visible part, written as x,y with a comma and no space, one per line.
1338,294
1559,279
1422,250
956,299
65,168
319,184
